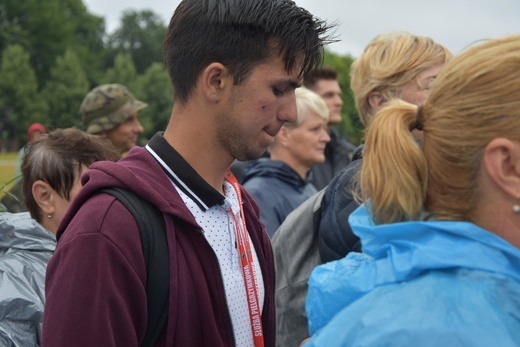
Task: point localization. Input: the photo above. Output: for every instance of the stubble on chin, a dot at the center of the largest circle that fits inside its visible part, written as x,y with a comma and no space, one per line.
235,143
244,151
251,155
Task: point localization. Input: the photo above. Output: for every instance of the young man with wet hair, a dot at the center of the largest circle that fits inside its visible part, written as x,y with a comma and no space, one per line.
234,66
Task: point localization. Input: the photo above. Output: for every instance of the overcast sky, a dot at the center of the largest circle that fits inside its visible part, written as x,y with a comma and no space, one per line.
453,23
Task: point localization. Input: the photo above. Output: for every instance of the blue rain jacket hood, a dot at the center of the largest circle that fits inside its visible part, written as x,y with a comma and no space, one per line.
434,283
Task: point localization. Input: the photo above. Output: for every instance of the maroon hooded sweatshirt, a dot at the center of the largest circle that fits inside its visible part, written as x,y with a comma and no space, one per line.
96,279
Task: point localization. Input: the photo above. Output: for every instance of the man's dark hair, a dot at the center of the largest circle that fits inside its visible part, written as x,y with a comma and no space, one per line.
239,34
318,74
56,158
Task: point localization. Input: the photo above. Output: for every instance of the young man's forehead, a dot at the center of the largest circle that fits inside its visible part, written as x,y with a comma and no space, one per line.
279,65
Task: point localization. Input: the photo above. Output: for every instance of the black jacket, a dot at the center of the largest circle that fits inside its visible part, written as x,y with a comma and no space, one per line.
335,237
337,157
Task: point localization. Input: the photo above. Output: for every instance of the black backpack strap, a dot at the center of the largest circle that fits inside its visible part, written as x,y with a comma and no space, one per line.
155,251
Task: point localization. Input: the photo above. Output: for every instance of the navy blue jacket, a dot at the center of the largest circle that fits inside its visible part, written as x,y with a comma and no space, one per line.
277,189
335,237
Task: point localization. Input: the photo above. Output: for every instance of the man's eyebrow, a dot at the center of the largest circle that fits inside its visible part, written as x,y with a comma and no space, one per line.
295,83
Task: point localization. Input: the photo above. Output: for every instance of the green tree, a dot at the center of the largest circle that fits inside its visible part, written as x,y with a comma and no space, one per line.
20,102
47,28
89,41
123,71
156,90
351,128
141,35
65,90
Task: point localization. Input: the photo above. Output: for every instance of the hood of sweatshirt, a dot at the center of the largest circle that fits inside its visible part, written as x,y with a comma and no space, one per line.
138,172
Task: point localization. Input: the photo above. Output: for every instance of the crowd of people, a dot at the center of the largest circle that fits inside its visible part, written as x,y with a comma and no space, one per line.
279,232
396,65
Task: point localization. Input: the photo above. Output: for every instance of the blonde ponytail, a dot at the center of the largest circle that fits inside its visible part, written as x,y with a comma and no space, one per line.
394,171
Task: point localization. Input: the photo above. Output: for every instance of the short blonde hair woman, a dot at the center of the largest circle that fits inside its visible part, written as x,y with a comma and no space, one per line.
390,63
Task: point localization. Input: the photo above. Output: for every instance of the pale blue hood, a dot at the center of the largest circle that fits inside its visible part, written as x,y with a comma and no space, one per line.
403,257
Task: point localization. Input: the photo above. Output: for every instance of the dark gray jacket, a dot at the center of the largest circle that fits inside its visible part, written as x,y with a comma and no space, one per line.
295,247
314,233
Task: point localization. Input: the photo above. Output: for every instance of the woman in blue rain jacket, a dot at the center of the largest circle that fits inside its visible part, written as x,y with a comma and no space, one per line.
440,230
418,284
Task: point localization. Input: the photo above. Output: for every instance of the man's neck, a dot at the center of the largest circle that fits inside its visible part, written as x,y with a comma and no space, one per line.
200,151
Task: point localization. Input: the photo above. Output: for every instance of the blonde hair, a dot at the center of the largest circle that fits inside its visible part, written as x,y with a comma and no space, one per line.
474,100
388,62
307,100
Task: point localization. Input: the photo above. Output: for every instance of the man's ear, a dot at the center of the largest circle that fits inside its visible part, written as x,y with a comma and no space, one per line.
501,161
215,79
44,196
376,100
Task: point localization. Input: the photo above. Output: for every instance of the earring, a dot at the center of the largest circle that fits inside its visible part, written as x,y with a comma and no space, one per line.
49,216
516,208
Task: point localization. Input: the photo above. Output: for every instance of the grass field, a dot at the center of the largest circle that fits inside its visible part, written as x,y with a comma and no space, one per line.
7,168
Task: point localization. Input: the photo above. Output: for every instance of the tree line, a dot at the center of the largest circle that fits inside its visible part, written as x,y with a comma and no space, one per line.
53,52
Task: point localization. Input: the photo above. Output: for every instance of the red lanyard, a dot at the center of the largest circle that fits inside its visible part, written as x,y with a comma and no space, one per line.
248,271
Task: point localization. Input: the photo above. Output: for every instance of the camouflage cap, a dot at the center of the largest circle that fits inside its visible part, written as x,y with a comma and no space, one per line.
102,109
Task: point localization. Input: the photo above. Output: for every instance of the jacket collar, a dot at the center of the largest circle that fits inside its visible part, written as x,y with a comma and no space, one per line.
406,249
182,174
